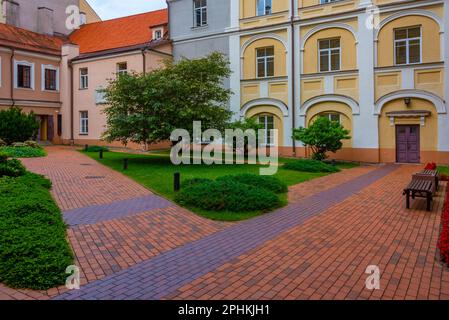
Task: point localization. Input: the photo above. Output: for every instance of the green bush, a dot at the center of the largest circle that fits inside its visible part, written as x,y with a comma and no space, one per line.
194,181
23,152
96,149
32,144
306,165
2,143
3,157
227,195
17,126
266,182
12,168
34,252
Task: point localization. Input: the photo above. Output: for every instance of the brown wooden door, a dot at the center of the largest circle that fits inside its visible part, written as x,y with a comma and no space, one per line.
407,144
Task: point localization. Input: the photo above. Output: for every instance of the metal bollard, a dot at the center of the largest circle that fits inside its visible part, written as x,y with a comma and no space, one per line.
125,164
177,181
86,147
101,154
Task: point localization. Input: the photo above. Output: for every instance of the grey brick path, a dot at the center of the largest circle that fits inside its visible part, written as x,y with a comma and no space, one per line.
115,210
162,275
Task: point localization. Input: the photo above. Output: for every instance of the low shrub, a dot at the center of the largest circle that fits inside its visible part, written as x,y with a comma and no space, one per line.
12,168
3,157
431,166
443,243
32,144
34,252
266,182
306,165
19,144
227,195
96,149
23,152
194,181
2,143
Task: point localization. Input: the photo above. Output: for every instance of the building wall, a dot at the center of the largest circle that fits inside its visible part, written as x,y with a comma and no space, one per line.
91,15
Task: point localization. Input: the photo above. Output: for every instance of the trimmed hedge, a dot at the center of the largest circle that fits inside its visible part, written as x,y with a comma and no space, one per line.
266,182
96,149
227,195
23,152
12,168
34,252
306,165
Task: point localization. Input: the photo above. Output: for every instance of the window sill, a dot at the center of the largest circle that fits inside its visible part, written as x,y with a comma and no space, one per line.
26,89
83,89
50,91
83,134
201,27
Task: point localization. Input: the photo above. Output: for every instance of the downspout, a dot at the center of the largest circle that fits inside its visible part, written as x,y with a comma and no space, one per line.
292,20
144,57
72,136
12,76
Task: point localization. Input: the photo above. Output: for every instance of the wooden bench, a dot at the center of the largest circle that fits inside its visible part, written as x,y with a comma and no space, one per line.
420,188
431,175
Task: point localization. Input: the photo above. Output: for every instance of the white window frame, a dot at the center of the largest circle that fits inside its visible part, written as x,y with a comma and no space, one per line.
195,9
329,115
84,76
49,67
86,120
161,30
16,74
121,71
265,6
268,132
265,62
407,46
328,1
329,57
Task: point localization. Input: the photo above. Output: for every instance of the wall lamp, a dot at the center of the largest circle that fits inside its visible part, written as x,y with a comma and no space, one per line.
407,101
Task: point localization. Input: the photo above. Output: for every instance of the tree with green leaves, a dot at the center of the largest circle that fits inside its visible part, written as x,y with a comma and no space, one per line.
146,108
322,136
17,126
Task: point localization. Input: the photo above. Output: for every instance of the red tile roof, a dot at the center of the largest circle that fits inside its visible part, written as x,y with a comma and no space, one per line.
28,40
118,33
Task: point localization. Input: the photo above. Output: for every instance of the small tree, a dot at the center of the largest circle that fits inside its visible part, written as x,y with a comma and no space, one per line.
146,108
246,124
322,136
17,126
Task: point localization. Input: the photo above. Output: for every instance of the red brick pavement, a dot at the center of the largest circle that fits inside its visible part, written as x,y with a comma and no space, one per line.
326,257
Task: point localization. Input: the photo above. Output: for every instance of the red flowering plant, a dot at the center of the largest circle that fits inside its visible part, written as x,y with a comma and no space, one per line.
431,166
443,243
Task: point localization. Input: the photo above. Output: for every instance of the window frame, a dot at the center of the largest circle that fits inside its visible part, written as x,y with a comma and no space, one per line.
121,71
43,77
203,10
155,31
16,74
328,1
86,120
329,114
86,77
407,46
329,50
265,63
265,7
266,134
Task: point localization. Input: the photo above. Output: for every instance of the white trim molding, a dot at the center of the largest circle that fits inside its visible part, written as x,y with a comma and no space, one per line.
264,102
49,67
32,79
350,102
420,94
328,26
259,37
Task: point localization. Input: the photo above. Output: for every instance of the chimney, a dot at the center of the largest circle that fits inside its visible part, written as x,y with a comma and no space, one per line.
45,21
83,18
11,12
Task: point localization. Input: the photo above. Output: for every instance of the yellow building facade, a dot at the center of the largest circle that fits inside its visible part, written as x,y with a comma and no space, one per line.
378,67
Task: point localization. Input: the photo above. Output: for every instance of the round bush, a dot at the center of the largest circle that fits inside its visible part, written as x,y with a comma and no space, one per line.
3,157
12,168
227,195
97,149
194,181
310,166
266,182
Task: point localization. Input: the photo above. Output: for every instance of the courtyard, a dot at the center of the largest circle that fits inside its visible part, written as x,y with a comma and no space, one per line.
134,243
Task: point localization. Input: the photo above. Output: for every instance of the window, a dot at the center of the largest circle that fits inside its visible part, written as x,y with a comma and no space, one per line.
84,78
100,95
263,7
407,44
50,78
24,76
59,124
268,126
122,68
200,13
157,34
332,116
84,122
328,1
265,62
329,51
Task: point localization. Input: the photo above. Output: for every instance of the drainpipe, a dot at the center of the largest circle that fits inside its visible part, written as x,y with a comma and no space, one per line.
144,57
292,20
72,137
12,76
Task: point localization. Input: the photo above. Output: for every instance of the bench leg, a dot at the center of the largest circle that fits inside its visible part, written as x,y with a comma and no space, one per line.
407,199
429,201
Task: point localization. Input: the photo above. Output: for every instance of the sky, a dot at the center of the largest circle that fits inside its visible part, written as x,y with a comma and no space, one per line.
110,9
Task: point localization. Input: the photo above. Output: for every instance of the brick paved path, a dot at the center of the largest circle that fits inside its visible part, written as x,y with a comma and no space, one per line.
317,247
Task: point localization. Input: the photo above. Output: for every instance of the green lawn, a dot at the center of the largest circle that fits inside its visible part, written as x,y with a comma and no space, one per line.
155,171
444,170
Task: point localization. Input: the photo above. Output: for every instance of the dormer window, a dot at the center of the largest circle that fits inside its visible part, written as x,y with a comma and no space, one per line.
157,34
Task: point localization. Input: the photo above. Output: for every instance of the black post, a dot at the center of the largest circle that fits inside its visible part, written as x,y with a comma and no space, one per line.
86,147
177,182
125,164
334,163
101,154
